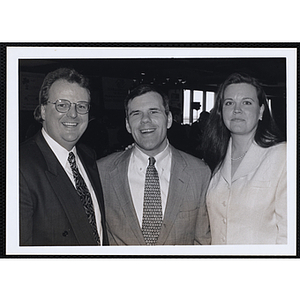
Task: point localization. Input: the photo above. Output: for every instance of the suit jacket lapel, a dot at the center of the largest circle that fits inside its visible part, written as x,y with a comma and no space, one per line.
178,183
91,170
122,191
66,194
250,162
226,167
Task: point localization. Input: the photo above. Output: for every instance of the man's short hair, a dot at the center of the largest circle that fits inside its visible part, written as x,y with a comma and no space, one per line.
70,75
144,89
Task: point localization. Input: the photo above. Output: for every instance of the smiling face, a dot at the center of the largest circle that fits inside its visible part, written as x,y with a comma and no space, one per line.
65,128
148,122
241,110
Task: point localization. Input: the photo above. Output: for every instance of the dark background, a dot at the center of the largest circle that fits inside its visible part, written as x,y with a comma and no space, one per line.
172,73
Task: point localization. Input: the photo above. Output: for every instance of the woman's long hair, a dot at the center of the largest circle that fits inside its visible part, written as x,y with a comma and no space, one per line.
216,135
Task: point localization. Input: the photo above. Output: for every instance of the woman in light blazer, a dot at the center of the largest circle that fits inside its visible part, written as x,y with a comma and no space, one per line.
247,197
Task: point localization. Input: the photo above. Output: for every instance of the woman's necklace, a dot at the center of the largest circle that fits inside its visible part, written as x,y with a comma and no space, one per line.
234,159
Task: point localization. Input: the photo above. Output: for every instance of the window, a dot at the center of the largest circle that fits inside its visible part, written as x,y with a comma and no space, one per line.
210,101
186,106
194,102
198,98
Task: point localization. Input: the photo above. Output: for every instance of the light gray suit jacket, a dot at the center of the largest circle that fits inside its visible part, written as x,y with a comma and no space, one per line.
185,219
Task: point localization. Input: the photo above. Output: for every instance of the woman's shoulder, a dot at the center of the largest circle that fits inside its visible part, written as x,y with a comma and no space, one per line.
279,148
277,151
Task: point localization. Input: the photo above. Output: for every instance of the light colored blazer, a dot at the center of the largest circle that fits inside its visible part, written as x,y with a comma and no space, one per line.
251,207
185,220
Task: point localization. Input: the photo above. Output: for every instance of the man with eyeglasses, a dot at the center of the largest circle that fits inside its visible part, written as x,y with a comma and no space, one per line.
61,201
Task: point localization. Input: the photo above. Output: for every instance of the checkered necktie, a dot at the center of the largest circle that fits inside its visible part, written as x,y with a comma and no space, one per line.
84,195
152,210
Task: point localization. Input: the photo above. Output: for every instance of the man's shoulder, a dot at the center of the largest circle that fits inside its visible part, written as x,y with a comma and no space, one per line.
29,147
83,148
30,155
113,159
191,161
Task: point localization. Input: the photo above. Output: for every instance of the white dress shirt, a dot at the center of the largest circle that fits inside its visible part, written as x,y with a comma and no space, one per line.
62,155
138,164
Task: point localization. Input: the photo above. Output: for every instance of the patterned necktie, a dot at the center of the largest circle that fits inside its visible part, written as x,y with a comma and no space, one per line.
152,209
84,195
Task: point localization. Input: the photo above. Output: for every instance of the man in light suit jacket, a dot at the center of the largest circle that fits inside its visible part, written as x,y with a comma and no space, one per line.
54,201
183,179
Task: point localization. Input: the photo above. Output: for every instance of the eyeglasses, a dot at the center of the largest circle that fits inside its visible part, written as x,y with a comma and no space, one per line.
63,106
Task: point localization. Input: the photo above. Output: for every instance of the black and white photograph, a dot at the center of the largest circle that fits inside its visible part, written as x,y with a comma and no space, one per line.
226,225
167,151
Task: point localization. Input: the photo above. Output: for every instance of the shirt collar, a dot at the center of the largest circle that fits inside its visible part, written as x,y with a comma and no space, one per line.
141,158
60,152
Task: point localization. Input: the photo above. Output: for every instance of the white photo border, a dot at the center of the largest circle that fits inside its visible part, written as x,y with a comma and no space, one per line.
15,53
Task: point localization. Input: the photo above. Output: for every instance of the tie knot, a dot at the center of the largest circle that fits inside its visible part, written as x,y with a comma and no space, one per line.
71,158
151,161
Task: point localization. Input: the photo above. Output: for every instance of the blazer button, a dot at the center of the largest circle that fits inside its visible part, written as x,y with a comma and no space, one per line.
65,233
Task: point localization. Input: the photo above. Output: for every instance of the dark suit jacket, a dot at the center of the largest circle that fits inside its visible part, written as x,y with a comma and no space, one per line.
51,212
185,219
